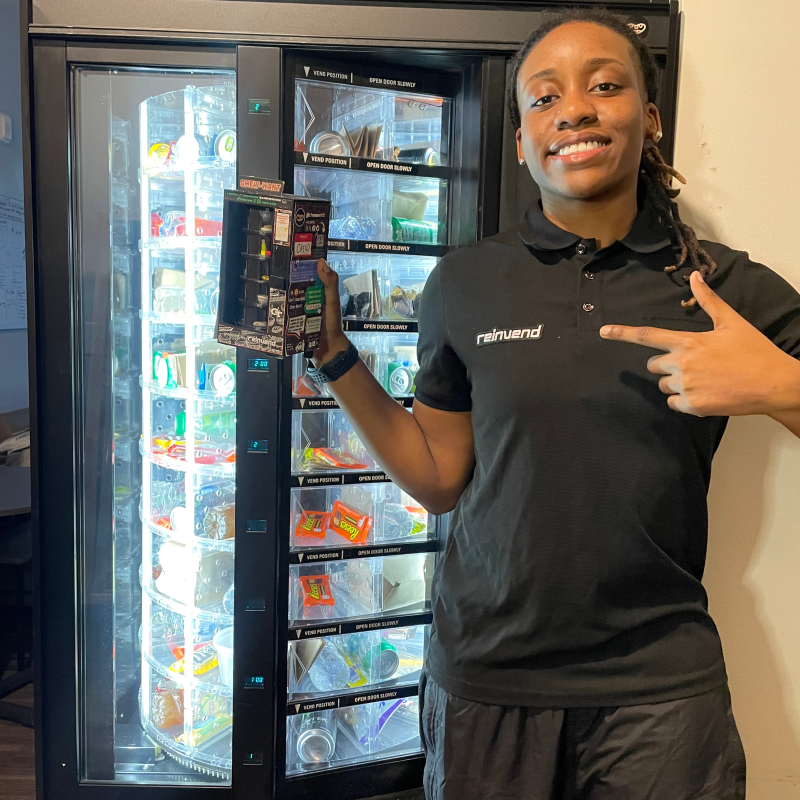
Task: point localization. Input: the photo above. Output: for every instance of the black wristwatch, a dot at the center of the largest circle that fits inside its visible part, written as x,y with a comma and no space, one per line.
336,367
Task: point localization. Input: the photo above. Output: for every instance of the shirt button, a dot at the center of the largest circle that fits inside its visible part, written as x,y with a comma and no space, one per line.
589,275
588,307
580,249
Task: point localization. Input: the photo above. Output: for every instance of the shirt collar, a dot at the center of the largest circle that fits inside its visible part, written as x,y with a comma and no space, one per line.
649,233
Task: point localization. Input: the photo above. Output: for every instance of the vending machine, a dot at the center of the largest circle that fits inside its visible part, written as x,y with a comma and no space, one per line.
233,598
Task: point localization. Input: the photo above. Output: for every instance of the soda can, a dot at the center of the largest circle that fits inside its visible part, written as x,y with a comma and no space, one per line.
421,155
316,741
389,660
222,378
225,146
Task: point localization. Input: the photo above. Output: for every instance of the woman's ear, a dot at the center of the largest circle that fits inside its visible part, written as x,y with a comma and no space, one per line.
520,154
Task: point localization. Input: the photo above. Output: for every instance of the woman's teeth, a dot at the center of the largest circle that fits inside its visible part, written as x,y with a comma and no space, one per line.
583,147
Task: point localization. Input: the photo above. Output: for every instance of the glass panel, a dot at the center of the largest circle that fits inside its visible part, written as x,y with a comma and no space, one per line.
356,735
356,661
360,587
355,540
343,120
153,152
343,516
379,208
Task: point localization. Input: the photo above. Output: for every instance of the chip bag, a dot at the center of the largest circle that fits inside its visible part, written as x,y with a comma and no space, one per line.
323,458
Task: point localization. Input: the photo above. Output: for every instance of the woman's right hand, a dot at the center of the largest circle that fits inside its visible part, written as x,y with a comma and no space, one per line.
332,340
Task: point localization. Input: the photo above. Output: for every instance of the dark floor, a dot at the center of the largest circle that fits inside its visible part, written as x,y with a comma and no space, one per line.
17,756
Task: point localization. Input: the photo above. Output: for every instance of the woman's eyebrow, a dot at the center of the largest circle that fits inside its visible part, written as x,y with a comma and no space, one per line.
601,62
591,65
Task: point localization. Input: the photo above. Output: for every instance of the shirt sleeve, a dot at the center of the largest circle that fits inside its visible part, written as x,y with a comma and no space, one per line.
441,381
772,305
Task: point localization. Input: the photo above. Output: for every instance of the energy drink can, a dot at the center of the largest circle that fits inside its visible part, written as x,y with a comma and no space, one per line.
316,741
389,660
225,146
169,369
222,378
420,155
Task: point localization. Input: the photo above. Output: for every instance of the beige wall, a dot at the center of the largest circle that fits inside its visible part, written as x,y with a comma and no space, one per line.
738,143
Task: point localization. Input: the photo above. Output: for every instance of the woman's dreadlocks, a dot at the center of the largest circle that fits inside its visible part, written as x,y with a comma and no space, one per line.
656,173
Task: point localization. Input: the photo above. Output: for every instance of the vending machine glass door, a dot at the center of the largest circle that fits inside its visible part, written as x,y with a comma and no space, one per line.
152,153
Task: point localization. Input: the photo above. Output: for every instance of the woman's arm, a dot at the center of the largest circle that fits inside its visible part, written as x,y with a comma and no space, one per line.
428,453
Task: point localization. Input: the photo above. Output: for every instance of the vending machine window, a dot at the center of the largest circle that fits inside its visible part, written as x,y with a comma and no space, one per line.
154,153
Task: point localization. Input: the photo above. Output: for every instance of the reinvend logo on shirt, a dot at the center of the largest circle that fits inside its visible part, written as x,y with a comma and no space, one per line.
514,334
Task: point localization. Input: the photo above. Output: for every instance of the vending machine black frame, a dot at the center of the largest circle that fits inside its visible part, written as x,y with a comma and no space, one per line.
260,40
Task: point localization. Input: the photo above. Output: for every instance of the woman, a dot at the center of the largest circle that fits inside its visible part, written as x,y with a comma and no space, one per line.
572,653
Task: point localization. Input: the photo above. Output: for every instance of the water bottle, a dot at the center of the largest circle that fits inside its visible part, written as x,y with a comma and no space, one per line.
329,672
227,600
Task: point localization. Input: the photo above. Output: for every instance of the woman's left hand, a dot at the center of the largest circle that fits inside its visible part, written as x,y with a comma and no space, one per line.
731,371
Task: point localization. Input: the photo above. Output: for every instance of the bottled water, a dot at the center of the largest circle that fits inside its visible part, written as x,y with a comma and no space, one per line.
227,600
330,671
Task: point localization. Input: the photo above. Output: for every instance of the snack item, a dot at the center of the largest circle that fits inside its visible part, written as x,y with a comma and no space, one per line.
413,230
219,522
317,590
312,524
350,524
324,458
202,731
166,708
205,659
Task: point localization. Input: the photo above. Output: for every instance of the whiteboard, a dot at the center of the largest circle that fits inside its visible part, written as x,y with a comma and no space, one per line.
13,297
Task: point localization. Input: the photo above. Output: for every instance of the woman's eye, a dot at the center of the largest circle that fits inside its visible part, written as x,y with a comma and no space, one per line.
543,101
606,87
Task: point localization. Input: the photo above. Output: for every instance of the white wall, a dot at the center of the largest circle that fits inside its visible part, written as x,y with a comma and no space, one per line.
738,125
13,344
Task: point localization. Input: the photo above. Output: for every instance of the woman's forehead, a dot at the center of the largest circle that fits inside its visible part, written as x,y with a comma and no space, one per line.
576,46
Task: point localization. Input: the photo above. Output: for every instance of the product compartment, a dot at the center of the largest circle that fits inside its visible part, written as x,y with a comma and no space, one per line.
346,120
208,422
355,661
182,649
377,207
324,441
188,576
333,738
381,287
359,587
342,516
169,283
214,371
187,507
196,723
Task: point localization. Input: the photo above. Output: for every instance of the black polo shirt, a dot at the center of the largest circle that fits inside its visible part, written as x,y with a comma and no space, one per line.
572,573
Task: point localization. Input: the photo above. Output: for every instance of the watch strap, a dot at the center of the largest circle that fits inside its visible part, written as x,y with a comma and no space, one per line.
332,370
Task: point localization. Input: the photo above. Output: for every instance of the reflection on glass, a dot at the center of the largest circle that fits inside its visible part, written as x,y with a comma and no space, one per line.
158,537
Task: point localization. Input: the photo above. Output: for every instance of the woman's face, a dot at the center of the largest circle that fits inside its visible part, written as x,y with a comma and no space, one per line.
584,112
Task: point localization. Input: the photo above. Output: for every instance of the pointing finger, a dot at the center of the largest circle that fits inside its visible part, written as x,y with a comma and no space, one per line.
659,338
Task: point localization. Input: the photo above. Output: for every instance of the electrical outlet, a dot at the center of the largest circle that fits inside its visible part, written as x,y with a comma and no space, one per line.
5,128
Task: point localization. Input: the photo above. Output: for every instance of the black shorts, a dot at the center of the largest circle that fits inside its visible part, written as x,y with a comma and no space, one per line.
680,750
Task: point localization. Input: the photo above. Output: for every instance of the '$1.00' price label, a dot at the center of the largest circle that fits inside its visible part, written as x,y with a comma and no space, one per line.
302,244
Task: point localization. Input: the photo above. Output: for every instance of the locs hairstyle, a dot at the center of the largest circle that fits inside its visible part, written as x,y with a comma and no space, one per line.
656,174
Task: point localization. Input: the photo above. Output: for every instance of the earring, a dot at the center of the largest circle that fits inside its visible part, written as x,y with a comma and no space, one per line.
658,137
522,161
